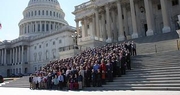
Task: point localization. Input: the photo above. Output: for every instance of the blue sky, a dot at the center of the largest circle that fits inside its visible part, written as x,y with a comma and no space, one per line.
11,14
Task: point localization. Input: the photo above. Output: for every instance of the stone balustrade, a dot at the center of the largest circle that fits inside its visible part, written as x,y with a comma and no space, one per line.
83,5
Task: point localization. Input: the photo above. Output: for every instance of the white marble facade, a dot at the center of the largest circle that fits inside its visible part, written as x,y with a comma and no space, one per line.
117,20
42,32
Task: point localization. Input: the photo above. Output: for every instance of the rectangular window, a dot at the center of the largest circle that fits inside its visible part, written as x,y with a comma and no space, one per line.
175,2
54,14
39,12
38,27
46,12
43,12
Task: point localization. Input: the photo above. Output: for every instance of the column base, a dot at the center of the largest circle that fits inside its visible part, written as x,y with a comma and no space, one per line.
166,29
109,40
134,35
128,37
93,37
149,32
121,38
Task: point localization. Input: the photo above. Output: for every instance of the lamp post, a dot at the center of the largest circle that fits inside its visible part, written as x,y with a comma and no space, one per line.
75,37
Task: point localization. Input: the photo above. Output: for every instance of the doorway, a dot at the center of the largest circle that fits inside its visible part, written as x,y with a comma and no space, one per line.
8,72
25,70
145,29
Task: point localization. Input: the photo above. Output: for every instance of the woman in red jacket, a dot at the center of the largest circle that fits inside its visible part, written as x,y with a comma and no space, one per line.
103,70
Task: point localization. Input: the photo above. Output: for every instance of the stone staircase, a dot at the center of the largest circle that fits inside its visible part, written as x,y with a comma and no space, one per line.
159,71
154,47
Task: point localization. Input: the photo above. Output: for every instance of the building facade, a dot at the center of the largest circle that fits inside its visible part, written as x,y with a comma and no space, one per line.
42,32
110,21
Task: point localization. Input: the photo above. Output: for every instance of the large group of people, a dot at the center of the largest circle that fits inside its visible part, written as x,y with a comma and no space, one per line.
90,68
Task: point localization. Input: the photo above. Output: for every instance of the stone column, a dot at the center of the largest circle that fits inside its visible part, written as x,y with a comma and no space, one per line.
49,25
5,56
45,26
121,30
0,56
16,54
36,27
77,27
28,52
97,23
148,18
85,27
2,53
109,40
13,55
104,34
134,25
54,26
19,54
166,27
22,58
40,26
93,27
10,61
126,22
115,34
31,27
26,27
83,32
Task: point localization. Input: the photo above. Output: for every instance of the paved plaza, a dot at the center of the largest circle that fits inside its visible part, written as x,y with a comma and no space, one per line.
26,91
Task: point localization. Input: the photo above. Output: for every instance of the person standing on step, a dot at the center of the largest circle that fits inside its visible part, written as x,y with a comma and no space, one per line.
123,63
128,60
133,48
80,80
31,81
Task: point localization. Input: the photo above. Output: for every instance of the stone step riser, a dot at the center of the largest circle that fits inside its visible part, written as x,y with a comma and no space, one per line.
147,79
152,69
159,76
151,73
141,85
145,82
133,88
155,65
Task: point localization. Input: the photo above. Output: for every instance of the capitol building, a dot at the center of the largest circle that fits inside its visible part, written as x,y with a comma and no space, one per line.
43,32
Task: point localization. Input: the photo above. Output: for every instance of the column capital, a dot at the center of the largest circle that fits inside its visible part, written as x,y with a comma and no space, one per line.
76,20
